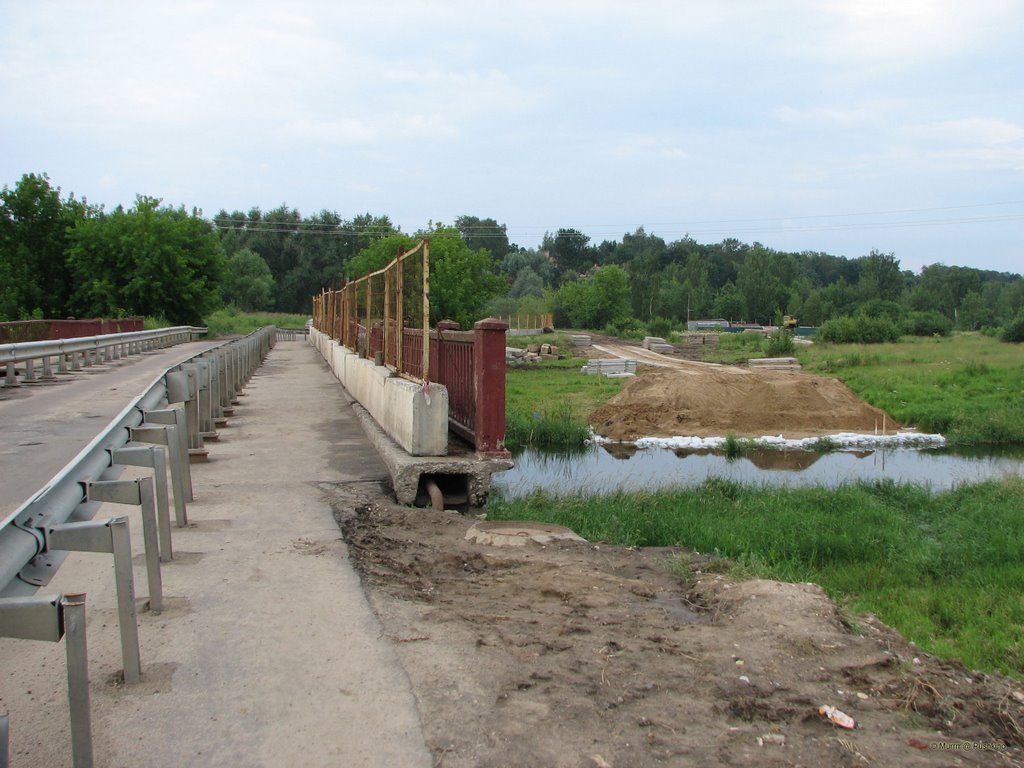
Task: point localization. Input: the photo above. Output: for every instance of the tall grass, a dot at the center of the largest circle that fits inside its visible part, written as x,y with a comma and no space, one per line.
548,403
229,321
946,569
967,387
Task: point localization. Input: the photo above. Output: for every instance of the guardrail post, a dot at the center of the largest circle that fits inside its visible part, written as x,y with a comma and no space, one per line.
111,537
153,458
177,448
11,376
77,654
140,493
489,387
50,619
182,388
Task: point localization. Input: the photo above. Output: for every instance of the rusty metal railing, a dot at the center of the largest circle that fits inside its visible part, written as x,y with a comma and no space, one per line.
387,312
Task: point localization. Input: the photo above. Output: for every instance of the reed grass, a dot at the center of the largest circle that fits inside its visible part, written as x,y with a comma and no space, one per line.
547,404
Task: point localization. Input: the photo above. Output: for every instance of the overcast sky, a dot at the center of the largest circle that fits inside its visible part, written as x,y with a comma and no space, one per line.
827,125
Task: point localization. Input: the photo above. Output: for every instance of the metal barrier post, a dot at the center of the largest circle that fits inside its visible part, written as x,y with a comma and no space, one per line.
5,752
153,458
76,651
11,377
111,537
181,473
140,493
50,619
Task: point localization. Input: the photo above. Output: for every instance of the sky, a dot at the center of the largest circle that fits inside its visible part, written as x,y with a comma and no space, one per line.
839,126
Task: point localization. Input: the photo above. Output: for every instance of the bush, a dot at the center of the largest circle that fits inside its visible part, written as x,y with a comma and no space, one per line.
882,308
930,323
859,330
1014,330
780,344
660,327
629,328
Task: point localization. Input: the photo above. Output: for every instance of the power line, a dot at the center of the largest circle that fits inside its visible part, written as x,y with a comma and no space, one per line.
697,227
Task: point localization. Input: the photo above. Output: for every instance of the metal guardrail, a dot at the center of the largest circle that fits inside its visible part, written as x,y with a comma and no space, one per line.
180,408
84,350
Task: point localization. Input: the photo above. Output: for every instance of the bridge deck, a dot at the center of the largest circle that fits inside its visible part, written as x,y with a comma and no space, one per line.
267,652
43,426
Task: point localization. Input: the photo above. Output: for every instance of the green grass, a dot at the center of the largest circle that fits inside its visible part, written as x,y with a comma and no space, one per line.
946,569
230,321
966,387
547,403
736,347
560,340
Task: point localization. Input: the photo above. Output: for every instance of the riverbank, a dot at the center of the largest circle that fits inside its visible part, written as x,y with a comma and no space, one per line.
946,569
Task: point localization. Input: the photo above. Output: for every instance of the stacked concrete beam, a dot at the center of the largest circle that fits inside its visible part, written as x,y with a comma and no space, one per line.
658,344
774,364
616,368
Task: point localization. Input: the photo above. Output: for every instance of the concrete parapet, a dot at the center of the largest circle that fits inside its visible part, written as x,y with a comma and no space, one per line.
402,409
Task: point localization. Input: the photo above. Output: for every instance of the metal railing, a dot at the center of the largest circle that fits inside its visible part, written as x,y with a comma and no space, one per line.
40,330
73,354
180,408
383,312
522,322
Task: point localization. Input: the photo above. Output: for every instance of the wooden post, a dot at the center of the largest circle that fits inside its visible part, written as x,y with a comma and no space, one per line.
489,387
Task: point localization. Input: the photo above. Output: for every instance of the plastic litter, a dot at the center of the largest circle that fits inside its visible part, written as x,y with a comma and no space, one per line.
836,717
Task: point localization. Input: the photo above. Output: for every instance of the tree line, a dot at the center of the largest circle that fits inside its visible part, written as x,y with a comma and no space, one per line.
62,256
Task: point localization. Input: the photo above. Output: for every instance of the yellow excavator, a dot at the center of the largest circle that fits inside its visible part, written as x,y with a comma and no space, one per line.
789,322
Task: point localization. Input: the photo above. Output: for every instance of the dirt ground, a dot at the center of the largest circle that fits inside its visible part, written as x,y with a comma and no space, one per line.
583,655
673,397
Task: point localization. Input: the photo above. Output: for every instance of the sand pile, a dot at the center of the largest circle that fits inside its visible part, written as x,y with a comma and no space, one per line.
713,401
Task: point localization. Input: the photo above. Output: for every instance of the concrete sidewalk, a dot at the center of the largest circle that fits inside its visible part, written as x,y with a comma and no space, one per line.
267,653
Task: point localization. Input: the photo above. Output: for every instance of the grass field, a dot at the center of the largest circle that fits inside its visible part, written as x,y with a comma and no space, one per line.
547,403
230,321
946,569
968,387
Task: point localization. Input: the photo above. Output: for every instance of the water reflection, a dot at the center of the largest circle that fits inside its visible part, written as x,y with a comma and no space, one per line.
602,469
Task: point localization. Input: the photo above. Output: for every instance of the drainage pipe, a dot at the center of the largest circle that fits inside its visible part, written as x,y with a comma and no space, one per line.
436,497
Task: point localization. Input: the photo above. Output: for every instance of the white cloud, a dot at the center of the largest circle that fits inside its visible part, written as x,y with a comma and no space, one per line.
976,130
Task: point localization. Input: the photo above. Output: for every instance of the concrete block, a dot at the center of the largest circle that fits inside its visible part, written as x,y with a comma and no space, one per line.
398,405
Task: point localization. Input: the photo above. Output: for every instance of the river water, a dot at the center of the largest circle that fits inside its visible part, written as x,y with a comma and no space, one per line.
605,468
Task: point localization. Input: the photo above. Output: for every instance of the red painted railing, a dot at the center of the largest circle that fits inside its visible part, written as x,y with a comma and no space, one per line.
47,330
471,365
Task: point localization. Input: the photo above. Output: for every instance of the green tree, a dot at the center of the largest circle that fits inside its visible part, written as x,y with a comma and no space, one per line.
600,299
462,281
880,277
569,250
484,233
973,312
147,260
249,284
729,304
34,228
763,281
